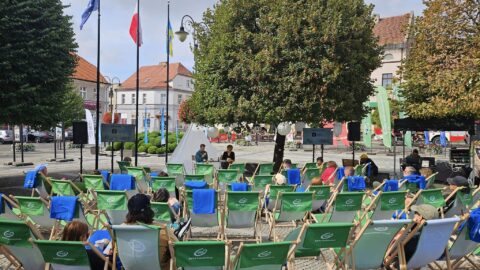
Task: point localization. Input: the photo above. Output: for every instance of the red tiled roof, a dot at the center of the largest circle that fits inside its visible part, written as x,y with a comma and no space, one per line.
86,71
152,77
392,30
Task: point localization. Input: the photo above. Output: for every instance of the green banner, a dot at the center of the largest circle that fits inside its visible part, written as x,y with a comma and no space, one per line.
14,233
175,169
385,114
63,252
93,182
242,201
273,253
161,211
31,205
408,135
327,235
433,197
200,254
349,201
394,200
163,182
63,188
227,175
321,192
367,130
111,200
297,201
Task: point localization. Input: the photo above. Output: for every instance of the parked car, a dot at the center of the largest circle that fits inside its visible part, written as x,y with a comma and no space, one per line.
6,136
40,137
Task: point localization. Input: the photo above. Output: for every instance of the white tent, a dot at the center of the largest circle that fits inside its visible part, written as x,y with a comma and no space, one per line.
189,145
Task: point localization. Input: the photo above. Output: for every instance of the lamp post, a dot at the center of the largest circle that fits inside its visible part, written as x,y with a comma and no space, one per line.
182,34
110,95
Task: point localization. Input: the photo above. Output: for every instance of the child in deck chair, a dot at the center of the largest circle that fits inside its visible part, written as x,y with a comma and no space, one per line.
78,231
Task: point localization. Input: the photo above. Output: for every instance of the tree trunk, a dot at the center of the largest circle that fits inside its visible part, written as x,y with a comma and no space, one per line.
278,152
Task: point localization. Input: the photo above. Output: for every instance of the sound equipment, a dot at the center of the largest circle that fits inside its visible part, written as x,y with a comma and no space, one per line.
80,132
353,131
460,156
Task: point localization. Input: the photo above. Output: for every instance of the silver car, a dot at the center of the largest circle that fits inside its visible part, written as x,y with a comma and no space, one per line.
6,136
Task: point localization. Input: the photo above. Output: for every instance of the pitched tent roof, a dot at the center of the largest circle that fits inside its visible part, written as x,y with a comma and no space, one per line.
392,30
152,77
86,71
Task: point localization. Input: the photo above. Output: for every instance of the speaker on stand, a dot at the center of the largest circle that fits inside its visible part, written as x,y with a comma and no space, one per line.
353,135
80,136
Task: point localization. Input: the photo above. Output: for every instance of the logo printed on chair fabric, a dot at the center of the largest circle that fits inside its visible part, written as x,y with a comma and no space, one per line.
200,252
30,205
380,229
297,202
349,202
327,236
264,254
243,201
111,199
136,246
392,201
432,198
8,234
62,253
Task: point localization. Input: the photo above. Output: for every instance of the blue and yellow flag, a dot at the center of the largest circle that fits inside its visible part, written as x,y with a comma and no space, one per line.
169,39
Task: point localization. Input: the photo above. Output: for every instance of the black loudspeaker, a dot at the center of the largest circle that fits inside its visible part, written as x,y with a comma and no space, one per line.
80,133
353,131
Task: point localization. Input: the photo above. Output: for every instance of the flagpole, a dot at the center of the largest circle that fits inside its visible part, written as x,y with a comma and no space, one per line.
168,79
97,128
138,83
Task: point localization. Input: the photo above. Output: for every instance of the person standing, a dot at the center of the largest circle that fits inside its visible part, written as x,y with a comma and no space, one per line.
201,156
228,157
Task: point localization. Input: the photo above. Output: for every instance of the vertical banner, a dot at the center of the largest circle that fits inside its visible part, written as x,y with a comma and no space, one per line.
443,139
367,130
90,127
426,134
162,127
145,127
176,131
384,113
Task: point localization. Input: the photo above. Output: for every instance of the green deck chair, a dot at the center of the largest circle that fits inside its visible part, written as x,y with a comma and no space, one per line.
122,165
310,165
138,246
323,167
207,170
228,176
345,207
64,188
7,213
142,178
370,248
113,203
322,193
431,180
358,170
433,197
265,168
308,175
462,204
261,181
388,203
164,182
66,255
292,206
195,177
243,211
162,212
313,238
199,255
240,167
15,237
178,171
203,220
44,187
93,182
263,256
36,210
274,190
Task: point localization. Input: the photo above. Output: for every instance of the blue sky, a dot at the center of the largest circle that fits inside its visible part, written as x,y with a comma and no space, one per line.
118,52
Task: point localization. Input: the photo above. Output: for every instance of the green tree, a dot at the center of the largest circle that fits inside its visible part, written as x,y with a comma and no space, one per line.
71,108
36,61
442,69
274,61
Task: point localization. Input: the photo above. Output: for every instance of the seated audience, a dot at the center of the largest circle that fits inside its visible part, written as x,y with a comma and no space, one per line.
328,176
162,195
372,169
228,157
454,183
319,162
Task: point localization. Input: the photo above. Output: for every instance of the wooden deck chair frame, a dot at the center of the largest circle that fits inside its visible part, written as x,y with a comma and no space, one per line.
257,170
146,180
331,203
290,256
219,213
208,177
397,247
323,202
175,214
430,180
262,189
273,222
13,204
228,248
267,194
74,187
25,217
442,215
98,213
91,204
257,231
233,166
42,191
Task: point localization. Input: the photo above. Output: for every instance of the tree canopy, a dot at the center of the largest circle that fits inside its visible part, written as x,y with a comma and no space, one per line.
441,71
36,62
272,61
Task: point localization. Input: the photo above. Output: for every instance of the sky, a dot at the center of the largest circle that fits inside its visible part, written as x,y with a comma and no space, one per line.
118,51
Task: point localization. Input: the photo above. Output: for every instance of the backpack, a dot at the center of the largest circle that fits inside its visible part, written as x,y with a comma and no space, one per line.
473,224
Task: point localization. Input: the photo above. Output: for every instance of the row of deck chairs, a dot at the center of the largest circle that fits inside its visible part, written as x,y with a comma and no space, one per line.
356,226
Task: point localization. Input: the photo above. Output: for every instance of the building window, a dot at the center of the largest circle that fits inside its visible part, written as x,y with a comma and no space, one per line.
144,99
163,98
94,90
123,98
179,99
387,80
133,98
83,92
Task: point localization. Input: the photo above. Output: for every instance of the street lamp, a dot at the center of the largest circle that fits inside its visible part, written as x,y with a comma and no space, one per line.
183,34
111,82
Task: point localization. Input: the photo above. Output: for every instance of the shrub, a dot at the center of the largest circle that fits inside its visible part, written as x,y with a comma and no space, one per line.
129,145
109,148
171,147
147,145
117,146
171,138
152,149
157,141
142,149
154,134
161,150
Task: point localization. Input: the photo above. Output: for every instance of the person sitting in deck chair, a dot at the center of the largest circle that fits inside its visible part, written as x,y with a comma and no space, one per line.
454,183
319,162
201,156
328,176
162,195
372,169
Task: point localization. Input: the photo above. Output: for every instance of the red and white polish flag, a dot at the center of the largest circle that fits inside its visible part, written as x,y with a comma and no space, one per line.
136,26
